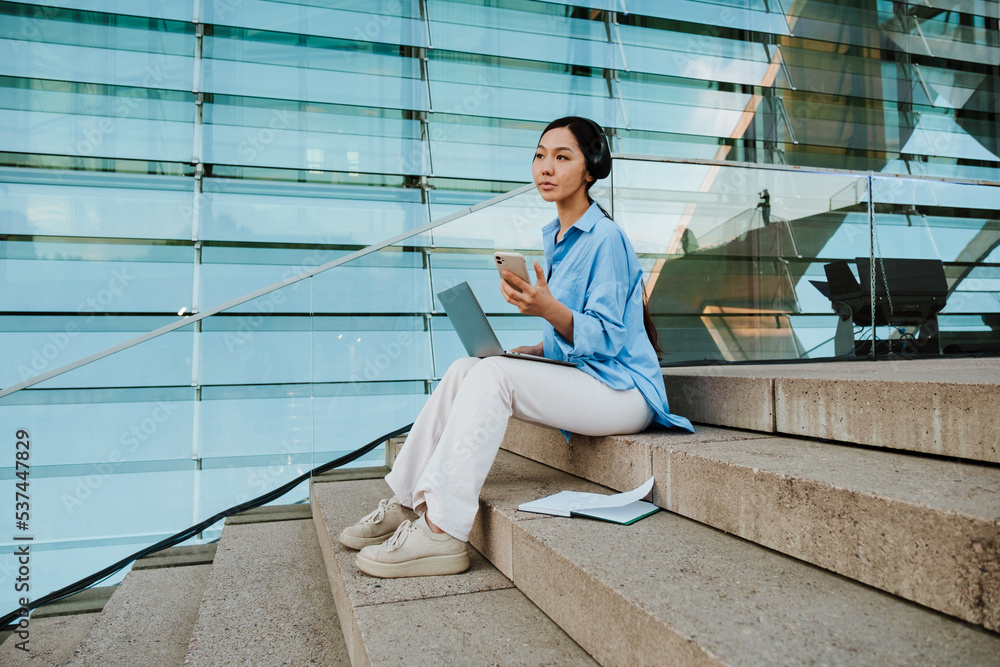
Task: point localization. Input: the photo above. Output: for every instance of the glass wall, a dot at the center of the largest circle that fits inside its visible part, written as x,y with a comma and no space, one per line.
742,261
165,156
161,158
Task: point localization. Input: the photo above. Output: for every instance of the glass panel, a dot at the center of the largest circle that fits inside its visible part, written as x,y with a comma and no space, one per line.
291,149
46,204
37,344
372,376
381,283
384,21
951,305
445,202
941,37
216,412
125,33
538,19
63,62
456,159
52,276
476,71
156,437
694,56
318,137
640,142
511,224
110,460
732,255
272,81
321,53
739,15
93,136
302,213
178,10
554,48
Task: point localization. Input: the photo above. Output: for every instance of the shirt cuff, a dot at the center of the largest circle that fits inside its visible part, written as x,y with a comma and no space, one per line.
579,331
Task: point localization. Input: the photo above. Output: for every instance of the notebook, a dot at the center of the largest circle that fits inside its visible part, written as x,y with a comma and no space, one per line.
474,329
623,508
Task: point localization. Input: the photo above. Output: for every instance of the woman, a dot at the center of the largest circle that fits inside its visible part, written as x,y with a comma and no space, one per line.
590,296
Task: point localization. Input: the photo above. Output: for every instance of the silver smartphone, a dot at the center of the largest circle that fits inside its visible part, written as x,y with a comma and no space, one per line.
513,262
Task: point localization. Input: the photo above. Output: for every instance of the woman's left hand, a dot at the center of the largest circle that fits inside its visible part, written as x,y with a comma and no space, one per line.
537,300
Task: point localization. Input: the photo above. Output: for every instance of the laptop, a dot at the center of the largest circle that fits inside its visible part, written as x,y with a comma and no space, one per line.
474,329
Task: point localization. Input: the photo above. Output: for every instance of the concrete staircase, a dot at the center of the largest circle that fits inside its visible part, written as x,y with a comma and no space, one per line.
842,527
259,597
822,514
475,618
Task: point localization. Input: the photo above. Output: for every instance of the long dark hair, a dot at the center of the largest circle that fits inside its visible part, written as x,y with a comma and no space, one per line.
597,157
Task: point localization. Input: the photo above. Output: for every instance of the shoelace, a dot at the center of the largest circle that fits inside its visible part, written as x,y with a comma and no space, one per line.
378,514
399,536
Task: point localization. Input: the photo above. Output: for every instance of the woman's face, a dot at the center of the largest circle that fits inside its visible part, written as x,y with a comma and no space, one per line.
559,169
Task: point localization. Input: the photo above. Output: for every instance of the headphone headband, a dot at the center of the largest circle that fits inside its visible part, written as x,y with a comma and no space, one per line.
596,152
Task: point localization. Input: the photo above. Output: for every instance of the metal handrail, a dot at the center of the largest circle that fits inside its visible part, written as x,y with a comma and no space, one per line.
187,321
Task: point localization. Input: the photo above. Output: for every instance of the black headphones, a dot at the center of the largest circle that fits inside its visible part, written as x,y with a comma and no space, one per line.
599,162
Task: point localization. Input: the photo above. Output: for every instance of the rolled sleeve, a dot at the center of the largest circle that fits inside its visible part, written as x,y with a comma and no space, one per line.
599,330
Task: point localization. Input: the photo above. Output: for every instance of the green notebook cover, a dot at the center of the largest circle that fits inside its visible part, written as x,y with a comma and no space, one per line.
625,515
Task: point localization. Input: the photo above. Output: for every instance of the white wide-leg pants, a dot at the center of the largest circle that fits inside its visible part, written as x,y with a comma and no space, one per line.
450,449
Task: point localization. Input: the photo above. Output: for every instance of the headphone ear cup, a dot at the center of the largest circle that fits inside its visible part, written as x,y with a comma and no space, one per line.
601,157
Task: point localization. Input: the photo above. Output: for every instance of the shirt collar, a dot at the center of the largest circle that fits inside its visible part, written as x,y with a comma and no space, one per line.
584,224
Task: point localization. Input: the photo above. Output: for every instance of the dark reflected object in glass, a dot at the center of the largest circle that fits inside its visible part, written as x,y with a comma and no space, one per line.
909,293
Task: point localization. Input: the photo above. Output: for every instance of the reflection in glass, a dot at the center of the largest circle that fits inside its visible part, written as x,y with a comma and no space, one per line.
957,224
734,251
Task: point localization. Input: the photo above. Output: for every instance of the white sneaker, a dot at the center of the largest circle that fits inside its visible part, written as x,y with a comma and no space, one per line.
378,526
414,551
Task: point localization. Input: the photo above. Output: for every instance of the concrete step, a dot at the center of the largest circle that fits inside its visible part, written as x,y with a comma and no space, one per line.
267,601
923,528
474,618
56,630
668,590
948,407
197,554
51,641
151,613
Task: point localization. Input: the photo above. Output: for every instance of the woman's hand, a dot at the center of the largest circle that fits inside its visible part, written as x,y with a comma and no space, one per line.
537,300
535,350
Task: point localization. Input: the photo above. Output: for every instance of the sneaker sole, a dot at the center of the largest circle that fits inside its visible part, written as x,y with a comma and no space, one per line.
359,543
419,567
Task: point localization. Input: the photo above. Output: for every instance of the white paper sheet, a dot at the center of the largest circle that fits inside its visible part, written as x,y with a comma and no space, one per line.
565,502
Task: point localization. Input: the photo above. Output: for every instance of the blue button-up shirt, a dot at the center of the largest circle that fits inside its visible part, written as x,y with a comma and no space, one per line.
595,273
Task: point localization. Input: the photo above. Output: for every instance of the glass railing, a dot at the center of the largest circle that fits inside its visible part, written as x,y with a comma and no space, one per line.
958,223
736,259
132,444
730,252
168,428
